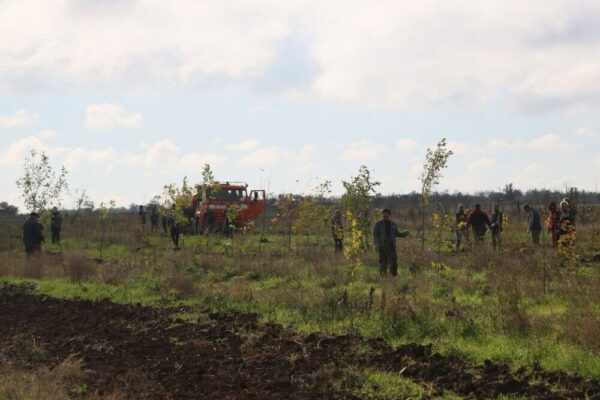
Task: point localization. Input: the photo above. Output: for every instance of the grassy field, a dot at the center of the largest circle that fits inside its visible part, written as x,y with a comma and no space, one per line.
522,306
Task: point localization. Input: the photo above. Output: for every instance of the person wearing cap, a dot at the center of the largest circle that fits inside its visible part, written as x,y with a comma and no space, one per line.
566,224
479,221
337,231
534,223
385,233
33,236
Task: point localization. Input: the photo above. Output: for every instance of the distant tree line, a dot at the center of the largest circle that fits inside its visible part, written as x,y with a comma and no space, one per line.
511,200
7,209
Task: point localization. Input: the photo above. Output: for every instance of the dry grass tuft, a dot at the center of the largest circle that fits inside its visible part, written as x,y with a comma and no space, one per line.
33,267
79,267
177,286
63,382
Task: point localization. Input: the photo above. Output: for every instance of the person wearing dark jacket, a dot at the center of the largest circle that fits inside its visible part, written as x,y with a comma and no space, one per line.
154,217
32,235
174,227
496,226
337,231
534,223
385,233
164,217
479,221
142,215
228,224
209,222
56,225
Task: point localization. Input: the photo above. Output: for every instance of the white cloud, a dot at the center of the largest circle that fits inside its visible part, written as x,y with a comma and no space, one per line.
462,148
306,159
364,150
585,133
550,141
18,119
497,144
161,155
110,115
387,53
405,144
544,143
532,175
164,156
266,157
71,157
195,161
247,144
546,58
77,156
47,134
481,164
149,42
14,154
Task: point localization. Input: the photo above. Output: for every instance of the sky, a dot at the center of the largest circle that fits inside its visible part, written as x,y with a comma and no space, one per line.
130,95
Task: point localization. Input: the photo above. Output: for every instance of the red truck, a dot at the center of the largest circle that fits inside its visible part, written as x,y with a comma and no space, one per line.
218,197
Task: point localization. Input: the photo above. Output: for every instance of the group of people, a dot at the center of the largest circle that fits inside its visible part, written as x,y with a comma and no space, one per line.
172,226
33,231
560,224
478,222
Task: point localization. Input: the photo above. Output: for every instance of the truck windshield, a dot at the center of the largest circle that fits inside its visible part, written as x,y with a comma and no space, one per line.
227,194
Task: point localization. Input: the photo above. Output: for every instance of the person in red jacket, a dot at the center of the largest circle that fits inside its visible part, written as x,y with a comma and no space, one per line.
479,222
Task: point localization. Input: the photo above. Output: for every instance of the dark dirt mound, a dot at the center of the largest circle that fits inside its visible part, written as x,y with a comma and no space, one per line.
143,353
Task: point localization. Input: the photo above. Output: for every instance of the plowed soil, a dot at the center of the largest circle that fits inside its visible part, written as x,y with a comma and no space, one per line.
145,354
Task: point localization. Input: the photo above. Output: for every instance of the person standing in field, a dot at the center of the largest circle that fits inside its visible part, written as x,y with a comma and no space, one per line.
337,231
164,218
385,233
497,220
462,227
566,225
534,223
572,210
209,222
479,222
174,227
228,223
33,236
142,215
553,223
154,217
55,225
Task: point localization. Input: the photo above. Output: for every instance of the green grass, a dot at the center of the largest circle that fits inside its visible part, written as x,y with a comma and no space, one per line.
373,384
307,294
380,385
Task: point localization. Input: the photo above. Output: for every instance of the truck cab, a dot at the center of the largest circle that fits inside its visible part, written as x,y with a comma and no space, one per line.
219,197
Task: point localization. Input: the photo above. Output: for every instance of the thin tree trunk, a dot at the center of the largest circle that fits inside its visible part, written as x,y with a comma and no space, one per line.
422,225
